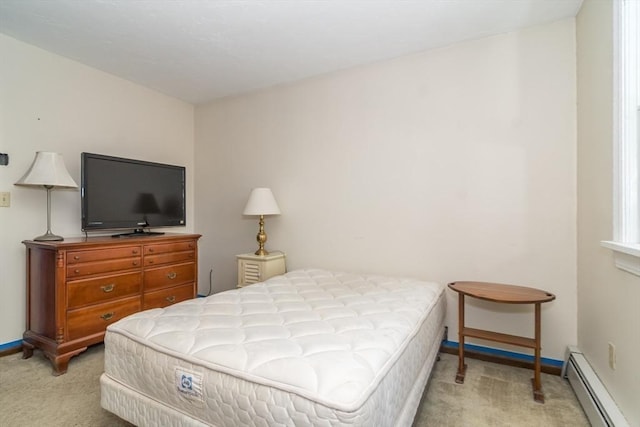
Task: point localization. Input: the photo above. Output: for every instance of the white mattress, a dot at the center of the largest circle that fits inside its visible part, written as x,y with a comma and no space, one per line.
311,347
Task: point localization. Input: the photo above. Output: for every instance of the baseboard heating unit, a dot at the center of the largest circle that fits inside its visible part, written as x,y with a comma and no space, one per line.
596,401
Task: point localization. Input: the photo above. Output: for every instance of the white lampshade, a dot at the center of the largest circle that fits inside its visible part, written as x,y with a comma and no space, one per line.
48,169
261,202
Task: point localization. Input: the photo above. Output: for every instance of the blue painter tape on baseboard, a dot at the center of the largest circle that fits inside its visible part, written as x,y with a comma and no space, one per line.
10,345
505,353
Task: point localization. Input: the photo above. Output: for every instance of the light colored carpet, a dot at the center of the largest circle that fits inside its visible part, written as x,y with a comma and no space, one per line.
493,395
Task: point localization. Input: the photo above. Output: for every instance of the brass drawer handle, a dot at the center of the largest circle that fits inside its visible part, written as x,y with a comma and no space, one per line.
107,316
108,288
76,257
135,263
151,250
76,271
135,252
171,299
172,275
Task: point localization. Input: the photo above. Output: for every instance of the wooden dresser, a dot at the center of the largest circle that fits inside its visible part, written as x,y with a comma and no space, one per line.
77,287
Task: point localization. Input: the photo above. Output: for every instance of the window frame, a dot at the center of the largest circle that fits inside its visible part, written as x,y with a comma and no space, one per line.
626,170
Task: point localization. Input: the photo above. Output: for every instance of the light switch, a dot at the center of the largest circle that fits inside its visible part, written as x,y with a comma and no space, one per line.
5,199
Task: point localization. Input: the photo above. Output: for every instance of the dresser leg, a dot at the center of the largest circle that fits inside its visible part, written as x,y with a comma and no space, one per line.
60,362
27,350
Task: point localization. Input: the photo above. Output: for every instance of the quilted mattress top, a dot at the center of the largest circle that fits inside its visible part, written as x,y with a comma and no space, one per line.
330,337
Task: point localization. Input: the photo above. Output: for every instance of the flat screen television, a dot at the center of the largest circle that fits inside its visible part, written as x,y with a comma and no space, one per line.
128,194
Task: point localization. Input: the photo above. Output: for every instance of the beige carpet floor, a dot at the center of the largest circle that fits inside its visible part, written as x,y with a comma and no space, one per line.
493,395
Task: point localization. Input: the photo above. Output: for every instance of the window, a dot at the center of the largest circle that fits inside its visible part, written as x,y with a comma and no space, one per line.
626,239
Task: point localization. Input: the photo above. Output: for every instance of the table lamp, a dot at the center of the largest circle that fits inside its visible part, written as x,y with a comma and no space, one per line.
48,171
261,202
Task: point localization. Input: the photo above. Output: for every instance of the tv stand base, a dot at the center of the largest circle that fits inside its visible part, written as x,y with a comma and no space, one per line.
139,232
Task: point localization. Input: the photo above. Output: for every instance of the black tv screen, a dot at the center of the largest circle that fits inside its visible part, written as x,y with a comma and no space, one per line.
119,193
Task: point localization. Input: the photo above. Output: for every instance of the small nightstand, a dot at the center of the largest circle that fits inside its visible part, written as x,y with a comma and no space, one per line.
255,268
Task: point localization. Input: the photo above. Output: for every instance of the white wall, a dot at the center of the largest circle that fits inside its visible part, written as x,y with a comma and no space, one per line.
49,103
454,164
607,297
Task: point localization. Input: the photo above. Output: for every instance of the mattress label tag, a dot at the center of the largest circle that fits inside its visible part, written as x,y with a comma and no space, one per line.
189,384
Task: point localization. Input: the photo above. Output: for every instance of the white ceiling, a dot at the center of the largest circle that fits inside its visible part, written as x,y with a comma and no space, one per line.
199,50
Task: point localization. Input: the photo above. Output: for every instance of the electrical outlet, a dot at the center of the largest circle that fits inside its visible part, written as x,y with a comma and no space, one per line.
5,199
612,356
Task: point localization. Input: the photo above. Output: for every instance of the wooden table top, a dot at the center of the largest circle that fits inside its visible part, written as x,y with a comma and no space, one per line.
498,292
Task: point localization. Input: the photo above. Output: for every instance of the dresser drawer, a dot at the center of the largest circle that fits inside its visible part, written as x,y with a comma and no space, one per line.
90,268
169,247
172,275
170,257
75,257
101,289
165,297
91,320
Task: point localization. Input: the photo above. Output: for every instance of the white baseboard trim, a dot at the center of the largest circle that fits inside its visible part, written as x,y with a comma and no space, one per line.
597,403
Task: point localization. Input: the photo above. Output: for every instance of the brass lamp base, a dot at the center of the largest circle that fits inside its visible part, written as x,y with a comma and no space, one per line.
262,239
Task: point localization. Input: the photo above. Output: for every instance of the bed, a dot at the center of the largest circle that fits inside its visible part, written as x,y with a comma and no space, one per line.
311,347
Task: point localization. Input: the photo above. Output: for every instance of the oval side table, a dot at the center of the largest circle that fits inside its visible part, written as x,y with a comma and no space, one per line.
506,294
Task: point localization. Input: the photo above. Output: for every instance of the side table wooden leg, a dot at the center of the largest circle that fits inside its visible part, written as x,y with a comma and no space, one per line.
462,368
538,395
